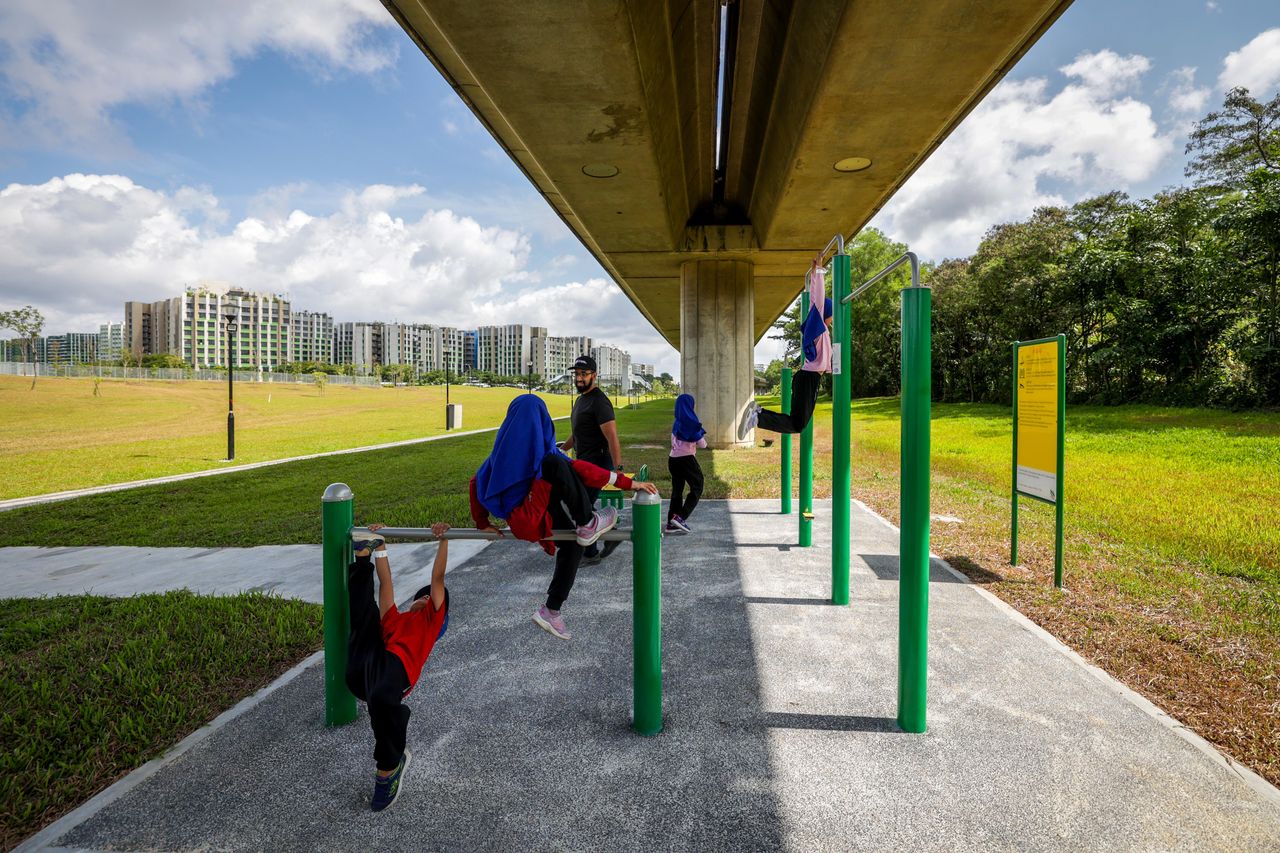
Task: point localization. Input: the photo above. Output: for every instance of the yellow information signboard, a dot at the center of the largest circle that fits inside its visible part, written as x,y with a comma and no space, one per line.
1039,432
1037,420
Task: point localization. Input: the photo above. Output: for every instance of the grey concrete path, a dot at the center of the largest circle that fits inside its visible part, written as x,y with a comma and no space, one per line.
779,728
290,571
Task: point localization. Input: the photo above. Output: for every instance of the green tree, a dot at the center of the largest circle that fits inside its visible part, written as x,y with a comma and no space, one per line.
28,322
1232,142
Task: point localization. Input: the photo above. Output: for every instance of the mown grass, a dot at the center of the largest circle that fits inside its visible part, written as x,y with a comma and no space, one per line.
91,688
60,436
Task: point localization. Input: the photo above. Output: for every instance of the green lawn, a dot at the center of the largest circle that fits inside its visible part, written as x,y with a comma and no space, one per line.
93,687
61,436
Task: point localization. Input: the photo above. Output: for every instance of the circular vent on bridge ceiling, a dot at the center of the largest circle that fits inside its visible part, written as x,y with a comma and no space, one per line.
853,164
599,170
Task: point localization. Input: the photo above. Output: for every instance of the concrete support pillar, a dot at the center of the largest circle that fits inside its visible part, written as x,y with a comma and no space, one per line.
717,343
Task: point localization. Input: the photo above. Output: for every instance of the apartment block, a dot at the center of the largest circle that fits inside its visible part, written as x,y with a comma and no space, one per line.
358,344
71,348
505,350
260,341
110,341
553,356
470,350
312,339
613,366
152,328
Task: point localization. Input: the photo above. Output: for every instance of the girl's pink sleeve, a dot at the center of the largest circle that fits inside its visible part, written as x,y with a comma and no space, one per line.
702,442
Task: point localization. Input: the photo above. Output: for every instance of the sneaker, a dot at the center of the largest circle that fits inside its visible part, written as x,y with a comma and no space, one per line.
601,521
363,540
672,530
387,788
589,559
750,418
552,622
682,524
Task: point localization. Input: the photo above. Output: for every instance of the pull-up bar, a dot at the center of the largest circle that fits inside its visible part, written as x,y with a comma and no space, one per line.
913,609
646,599
424,534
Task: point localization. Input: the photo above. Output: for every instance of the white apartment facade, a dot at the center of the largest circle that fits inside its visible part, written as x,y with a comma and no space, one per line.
312,338
505,350
262,337
357,344
613,366
110,341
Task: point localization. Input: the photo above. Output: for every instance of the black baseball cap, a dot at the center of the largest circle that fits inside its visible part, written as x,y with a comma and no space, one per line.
585,362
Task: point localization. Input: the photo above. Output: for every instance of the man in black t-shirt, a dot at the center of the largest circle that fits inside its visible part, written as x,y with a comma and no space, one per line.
594,434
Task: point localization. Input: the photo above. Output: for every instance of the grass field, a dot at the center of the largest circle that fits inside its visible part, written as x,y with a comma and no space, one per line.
60,436
94,687
1172,553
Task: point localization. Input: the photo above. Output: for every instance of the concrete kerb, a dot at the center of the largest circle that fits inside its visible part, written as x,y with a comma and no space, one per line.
1142,703
52,497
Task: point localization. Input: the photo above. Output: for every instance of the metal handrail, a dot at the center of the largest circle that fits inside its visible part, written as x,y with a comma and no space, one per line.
884,273
424,534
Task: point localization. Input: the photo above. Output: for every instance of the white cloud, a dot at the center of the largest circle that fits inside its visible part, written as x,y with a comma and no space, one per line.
1212,6
1185,97
68,64
1023,148
1256,66
79,246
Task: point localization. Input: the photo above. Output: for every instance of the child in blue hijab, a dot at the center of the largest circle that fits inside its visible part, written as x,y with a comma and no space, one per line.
537,489
687,435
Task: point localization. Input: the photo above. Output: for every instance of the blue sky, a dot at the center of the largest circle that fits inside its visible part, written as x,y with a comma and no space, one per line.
321,155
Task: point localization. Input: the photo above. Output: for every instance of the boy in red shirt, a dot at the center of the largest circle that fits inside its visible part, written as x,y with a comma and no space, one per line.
387,649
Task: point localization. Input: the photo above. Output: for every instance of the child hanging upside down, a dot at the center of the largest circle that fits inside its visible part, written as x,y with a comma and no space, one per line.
816,337
687,435
536,488
387,650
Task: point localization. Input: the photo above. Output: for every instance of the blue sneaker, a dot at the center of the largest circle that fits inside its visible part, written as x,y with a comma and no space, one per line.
387,788
681,523
363,540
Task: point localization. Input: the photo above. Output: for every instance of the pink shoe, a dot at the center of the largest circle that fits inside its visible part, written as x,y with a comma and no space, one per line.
604,519
552,622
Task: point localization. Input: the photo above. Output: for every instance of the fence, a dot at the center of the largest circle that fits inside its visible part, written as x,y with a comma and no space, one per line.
17,368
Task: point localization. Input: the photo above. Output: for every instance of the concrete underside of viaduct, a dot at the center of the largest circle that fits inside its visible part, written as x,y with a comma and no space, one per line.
622,116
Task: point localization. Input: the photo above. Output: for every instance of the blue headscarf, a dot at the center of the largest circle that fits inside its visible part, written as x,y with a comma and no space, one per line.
687,427
525,437
814,327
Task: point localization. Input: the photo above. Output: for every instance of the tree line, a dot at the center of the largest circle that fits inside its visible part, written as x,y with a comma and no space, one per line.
1173,299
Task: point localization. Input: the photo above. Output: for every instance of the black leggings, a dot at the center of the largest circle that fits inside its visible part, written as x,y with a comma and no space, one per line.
804,396
571,505
375,675
684,469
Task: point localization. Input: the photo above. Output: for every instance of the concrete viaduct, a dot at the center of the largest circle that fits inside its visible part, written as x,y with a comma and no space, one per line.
705,150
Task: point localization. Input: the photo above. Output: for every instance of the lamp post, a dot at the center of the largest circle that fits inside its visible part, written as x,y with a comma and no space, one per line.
231,317
445,353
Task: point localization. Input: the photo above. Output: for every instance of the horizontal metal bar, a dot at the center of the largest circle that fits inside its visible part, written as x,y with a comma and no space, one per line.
424,534
884,273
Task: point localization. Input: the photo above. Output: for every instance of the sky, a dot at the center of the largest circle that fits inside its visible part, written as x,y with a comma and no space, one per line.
312,150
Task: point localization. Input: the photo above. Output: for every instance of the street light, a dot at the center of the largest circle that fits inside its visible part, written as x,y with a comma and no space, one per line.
445,353
230,318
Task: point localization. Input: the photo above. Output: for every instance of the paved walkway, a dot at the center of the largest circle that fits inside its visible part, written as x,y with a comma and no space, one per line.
291,571
779,728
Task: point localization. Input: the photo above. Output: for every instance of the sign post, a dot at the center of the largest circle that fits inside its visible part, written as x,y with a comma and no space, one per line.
1039,420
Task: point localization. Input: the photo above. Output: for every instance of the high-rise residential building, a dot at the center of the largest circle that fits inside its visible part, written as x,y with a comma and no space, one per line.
470,350
401,343
152,328
441,344
505,350
110,341
71,348
613,366
553,356
639,368
262,336
312,339
354,344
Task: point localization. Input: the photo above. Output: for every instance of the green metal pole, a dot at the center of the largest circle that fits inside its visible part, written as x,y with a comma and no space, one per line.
913,584
1013,525
785,438
646,614
806,462
841,473
1059,504
336,520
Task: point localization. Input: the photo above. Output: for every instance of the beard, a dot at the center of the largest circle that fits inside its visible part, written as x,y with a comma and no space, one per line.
582,385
